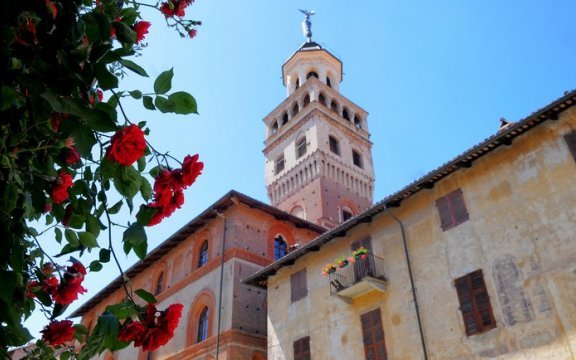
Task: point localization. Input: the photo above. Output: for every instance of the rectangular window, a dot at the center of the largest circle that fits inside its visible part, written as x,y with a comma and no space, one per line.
474,303
373,335
299,287
301,147
357,158
334,145
302,349
571,142
452,209
279,165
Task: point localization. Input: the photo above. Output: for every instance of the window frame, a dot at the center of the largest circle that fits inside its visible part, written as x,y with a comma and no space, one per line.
452,210
373,336
357,159
280,252
203,255
298,285
476,318
202,333
301,348
279,164
334,144
301,147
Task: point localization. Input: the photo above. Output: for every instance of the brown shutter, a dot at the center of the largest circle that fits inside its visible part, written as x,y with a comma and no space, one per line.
474,303
444,212
460,213
298,285
373,335
571,142
302,348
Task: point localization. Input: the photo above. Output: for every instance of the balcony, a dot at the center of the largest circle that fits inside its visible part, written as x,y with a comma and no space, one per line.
358,278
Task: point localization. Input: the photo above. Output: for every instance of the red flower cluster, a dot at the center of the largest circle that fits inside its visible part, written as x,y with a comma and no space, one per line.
169,188
127,145
71,284
141,28
58,332
59,191
155,331
56,120
173,8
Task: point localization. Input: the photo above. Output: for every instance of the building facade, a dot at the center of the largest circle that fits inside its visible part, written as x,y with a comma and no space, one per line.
475,260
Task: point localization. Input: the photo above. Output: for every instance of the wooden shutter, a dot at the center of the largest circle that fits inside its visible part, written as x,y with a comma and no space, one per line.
302,348
444,213
460,213
298,285
373,335
474,303
571,142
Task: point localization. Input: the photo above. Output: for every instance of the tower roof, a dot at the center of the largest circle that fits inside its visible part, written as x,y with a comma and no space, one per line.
307,48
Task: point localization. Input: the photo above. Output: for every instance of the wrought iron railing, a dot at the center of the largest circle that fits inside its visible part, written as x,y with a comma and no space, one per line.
371,266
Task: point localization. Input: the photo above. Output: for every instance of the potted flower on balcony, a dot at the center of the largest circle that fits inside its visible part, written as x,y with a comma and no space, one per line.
328,269
360,253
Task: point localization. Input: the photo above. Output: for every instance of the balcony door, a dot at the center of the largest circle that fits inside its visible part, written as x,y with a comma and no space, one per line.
363,267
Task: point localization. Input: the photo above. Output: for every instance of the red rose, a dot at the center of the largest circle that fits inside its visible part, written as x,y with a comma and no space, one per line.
33,286
58,332
72,155
133,332
50,285
59,191
192,33
71,285
127,145
173,8
141,28
155,337
191,169
171,317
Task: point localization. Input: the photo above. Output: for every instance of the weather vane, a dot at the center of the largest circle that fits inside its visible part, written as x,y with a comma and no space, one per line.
307,24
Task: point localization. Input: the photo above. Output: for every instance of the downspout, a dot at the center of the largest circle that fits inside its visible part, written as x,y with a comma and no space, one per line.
408,262
221,280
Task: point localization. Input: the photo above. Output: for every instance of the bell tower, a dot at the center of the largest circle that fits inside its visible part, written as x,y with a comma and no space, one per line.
317,148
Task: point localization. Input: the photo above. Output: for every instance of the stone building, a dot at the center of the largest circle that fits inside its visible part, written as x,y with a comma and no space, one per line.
477,259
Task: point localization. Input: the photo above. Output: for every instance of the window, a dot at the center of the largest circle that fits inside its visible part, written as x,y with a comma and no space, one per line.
297,83
312,74
302,349
474,303
334,106
306,100
328,82
298,285
357,158
274,128
203,256
280,248
366,267
334,145
300,147
345,114
322,99
202,325
295,109
284,118
279,165
159,284
571,142
373,335
346,214
452,209
357,122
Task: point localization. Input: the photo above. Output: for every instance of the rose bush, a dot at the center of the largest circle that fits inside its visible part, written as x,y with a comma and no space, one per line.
67,146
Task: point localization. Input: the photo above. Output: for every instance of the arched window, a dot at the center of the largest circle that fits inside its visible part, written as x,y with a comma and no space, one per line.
284,118
312,74
280,248
274,128
295,110
346,214
328,82
306,100
322,99
159,284
334,106
203,256
357,122
202,325
297,83
345,114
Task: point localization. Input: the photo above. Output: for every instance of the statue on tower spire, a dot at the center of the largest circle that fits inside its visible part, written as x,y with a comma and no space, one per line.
307,23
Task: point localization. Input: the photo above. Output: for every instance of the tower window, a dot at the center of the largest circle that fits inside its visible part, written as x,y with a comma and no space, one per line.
346,214
295,110
328,82
280,248
203,256
284,118
334,145
301,147
357,158
279,165
202,325
334,106
274,128
312,74
306,100
297,83
345,114
322,99
357,122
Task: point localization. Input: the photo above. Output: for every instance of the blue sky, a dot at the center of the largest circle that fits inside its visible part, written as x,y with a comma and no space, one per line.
435,77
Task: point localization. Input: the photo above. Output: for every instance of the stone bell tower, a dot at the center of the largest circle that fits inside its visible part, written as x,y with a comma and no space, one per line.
318,153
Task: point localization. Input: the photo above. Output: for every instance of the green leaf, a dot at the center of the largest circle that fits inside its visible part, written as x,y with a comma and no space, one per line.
134,67
116,208
95,266
84,139
163,82
136,236
104,255
164,105
76,221
88,239
68,249
93,225
124,33
103,117
128,181
123,310
109,169
142,164
9,97
136,94
71,237
183,103
148,102
98,26
106,80
146,296
145,213
58,235
146,189
10,197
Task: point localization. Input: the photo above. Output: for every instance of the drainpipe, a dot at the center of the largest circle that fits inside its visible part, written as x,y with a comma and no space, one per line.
424,350
221,281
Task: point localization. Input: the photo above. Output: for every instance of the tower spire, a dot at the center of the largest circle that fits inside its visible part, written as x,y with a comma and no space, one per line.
307,23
